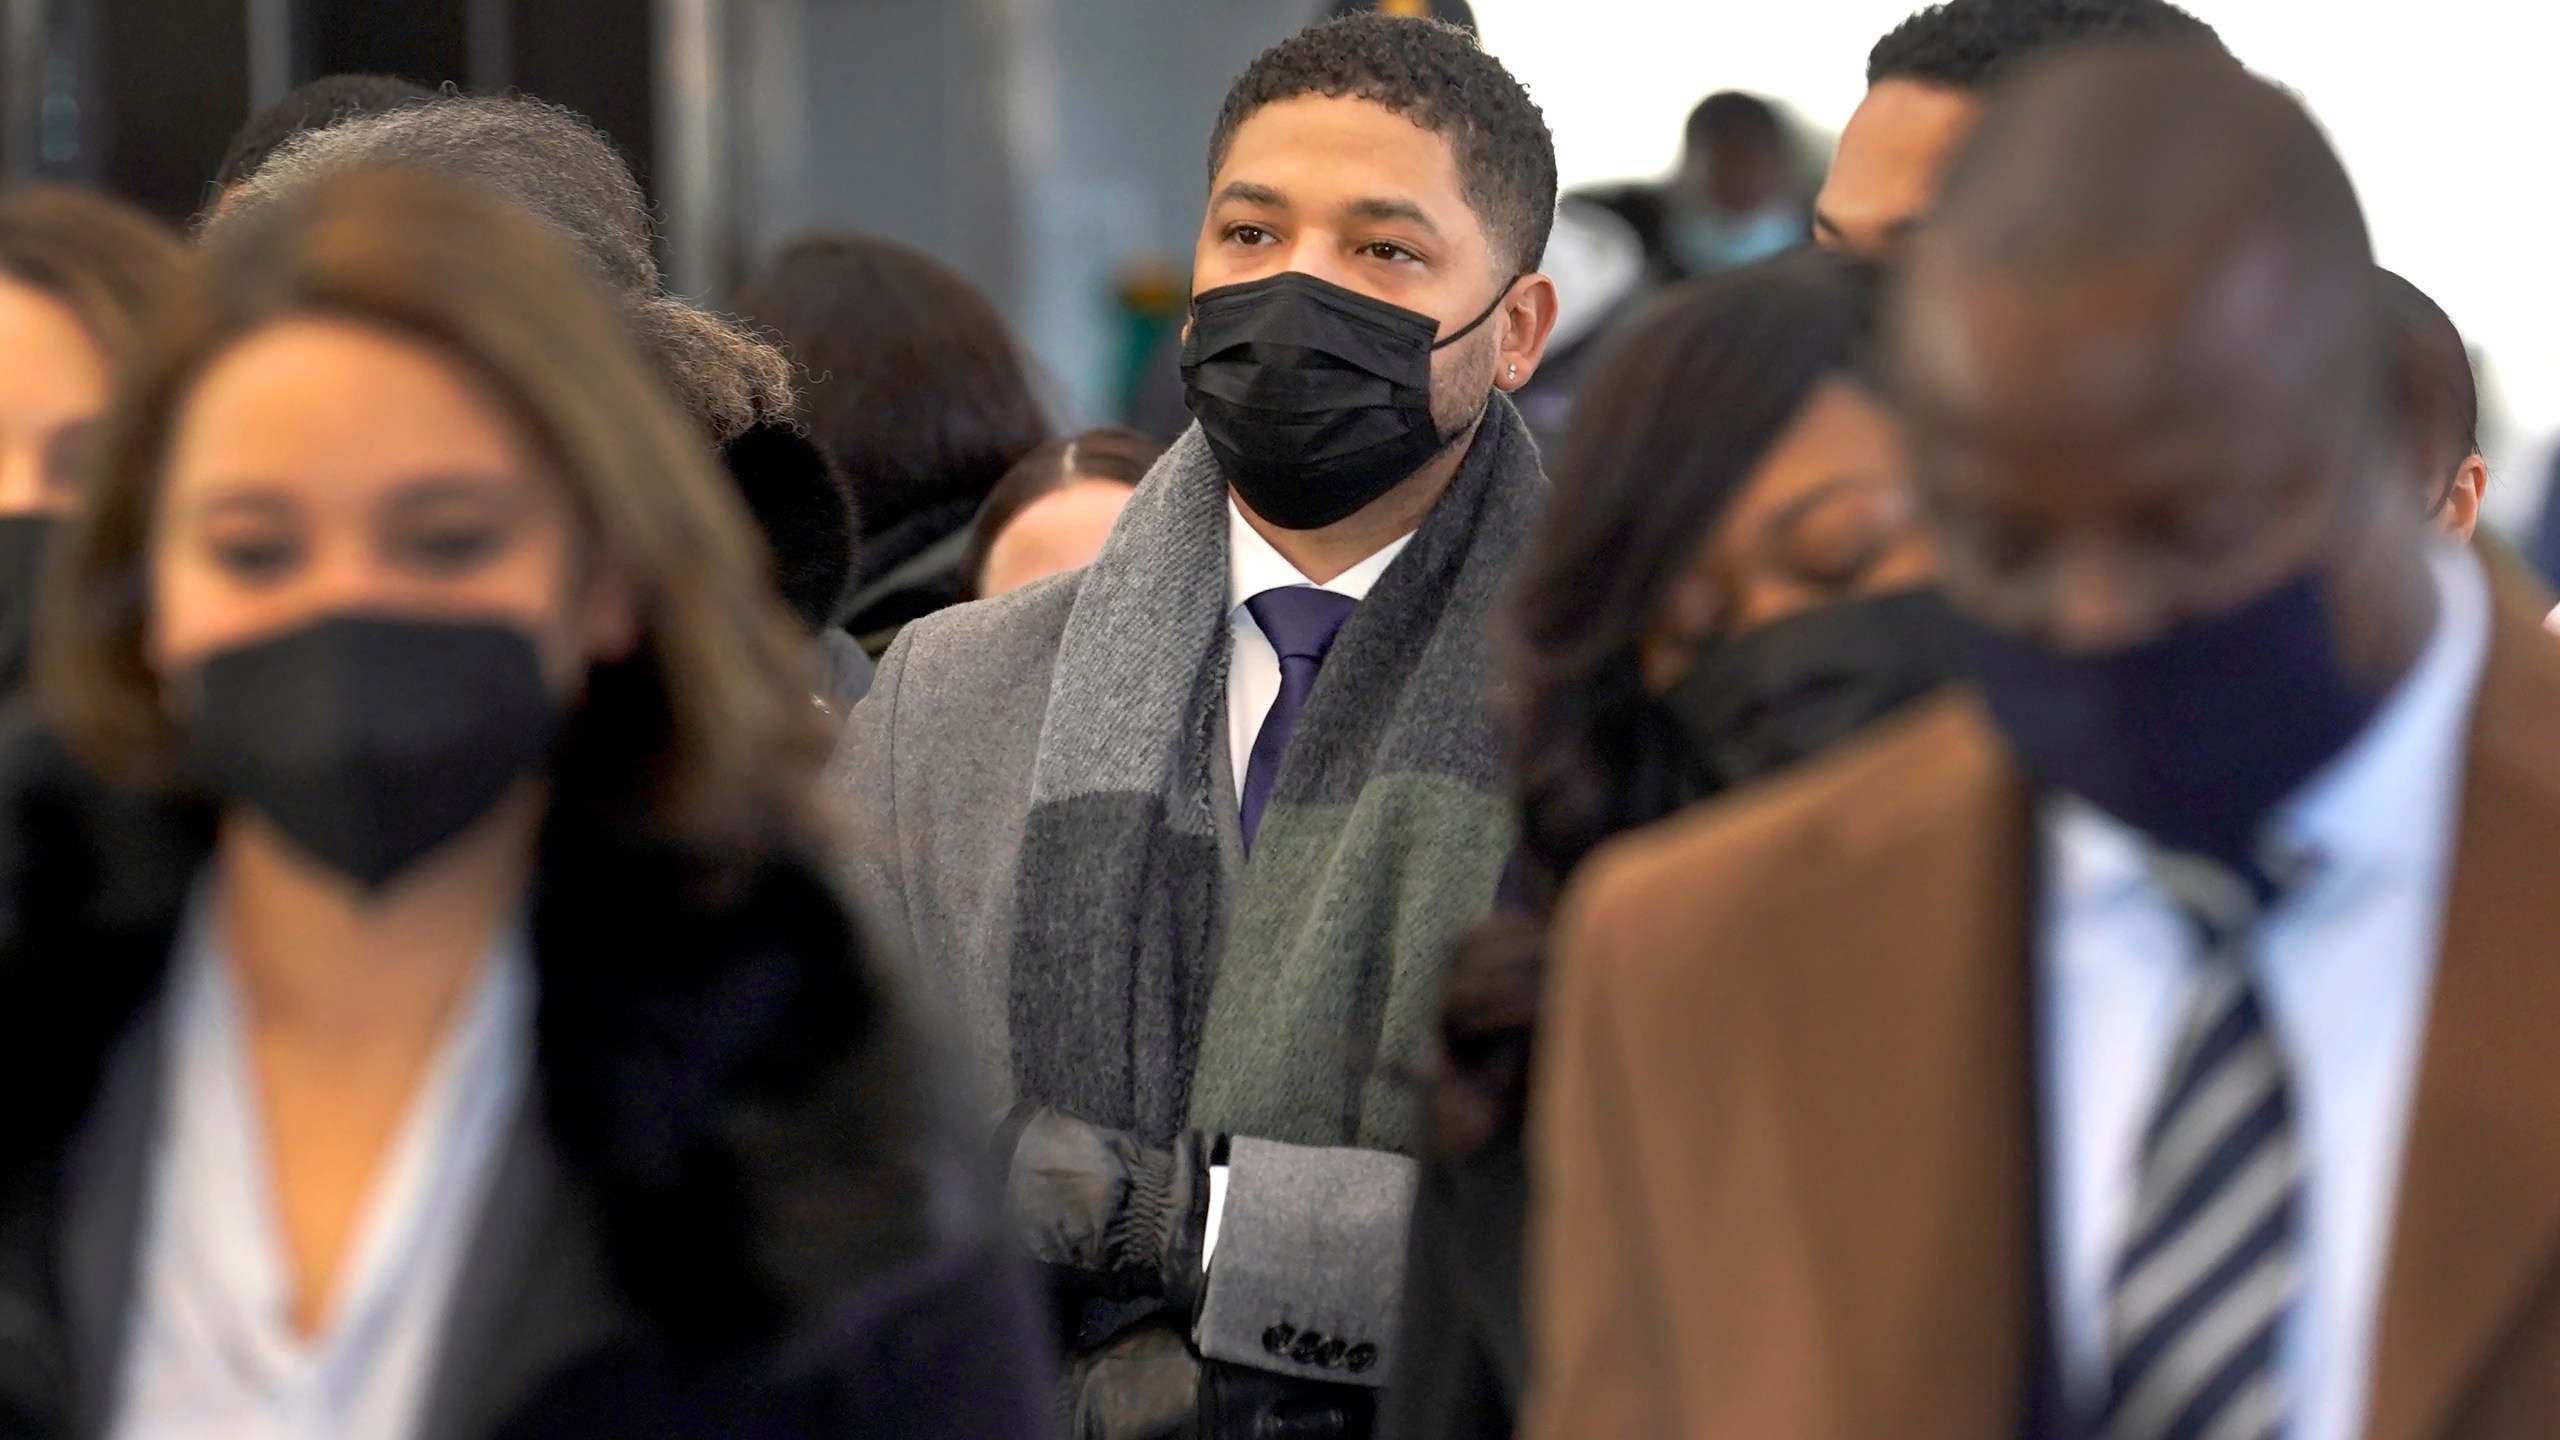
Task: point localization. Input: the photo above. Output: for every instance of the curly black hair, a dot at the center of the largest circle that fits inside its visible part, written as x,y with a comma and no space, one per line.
1435,75
1679,411
1968,44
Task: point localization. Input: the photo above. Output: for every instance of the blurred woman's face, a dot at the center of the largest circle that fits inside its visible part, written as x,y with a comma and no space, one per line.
324,467
1061,531
1829,514
54,384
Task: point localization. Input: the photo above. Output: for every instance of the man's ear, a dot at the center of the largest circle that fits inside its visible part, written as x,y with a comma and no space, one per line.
1528,318
2461,513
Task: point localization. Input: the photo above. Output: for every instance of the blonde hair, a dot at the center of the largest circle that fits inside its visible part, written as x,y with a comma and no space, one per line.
110,263
707,732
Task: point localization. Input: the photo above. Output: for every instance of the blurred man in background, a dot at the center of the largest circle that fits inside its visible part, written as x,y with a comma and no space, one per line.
1925,87
2159,1045
1455,12
1193,831
1738,195
2443,395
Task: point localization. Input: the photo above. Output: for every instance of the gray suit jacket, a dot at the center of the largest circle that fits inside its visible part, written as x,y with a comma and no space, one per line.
935,770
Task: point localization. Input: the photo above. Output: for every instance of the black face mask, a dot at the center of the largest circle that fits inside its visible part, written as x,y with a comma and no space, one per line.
1778,694
1315,399
372,741
2192,738
22,544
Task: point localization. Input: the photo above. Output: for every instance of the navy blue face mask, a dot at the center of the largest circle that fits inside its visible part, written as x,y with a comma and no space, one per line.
2194,737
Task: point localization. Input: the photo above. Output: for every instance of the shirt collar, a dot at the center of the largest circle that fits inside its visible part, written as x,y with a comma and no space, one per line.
1253,566
2369,810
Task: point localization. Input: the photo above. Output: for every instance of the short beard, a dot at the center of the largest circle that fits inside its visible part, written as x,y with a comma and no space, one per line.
1462,386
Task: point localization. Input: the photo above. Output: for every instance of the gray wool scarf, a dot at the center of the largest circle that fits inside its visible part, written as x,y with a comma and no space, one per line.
1148,992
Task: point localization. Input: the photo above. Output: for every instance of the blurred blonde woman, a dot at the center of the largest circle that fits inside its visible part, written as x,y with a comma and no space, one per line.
79,277
422,1007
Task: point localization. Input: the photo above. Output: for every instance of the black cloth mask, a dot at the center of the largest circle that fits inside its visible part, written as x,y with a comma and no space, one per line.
372,741
1772,696
2194,737
23,539
1315,399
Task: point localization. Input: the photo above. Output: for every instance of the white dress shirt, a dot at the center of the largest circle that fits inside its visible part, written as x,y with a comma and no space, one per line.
2346,963
212,1352
1253,667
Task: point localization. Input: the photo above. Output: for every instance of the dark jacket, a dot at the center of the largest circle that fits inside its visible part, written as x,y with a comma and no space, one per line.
723,1214
909,571
1464,1350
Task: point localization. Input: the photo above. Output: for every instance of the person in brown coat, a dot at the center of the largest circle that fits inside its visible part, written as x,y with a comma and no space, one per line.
2156,1039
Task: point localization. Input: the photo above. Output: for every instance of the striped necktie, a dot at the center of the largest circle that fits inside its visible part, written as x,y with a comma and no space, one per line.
2210,1266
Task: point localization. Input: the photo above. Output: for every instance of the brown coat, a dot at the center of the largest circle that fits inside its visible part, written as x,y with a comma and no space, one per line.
1785,1149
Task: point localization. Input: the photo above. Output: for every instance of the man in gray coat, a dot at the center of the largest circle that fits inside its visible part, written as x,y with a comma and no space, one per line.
1189,835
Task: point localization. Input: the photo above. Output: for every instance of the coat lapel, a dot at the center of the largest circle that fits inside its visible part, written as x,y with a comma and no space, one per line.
531,1299
2479,1211
105,1215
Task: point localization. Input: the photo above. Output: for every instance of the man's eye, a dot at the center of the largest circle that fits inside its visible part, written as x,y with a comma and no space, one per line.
1248,235
1388,251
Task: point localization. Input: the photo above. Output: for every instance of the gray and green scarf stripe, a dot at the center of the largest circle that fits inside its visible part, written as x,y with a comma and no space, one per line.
1297,996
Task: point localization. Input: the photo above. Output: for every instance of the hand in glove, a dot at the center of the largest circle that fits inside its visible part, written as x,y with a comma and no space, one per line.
1149,1385
1144,1385
1113,1216
1238,1403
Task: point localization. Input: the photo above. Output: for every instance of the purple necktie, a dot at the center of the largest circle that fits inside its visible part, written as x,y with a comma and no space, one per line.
1300,621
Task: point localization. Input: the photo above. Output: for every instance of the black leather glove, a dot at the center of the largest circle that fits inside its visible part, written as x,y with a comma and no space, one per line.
1147,1384
1110,1216
1241,1403
1144,1385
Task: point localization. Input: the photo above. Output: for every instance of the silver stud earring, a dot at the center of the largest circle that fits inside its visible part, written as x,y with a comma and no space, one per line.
1515,372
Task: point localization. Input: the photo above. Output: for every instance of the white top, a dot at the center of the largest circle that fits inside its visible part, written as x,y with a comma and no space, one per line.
211,1350
1253,667
2346,964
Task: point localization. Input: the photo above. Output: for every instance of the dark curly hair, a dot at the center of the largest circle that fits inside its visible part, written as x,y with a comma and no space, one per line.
550,160
316,106
1969,44
1676,416
1435,75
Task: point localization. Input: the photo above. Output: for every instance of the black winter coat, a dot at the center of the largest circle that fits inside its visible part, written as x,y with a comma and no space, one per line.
718,1219
1464,1348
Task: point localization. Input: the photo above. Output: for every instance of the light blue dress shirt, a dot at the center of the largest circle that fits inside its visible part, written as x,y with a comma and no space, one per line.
2346,964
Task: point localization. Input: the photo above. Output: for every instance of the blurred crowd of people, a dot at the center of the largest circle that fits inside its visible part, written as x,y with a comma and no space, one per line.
1879,794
